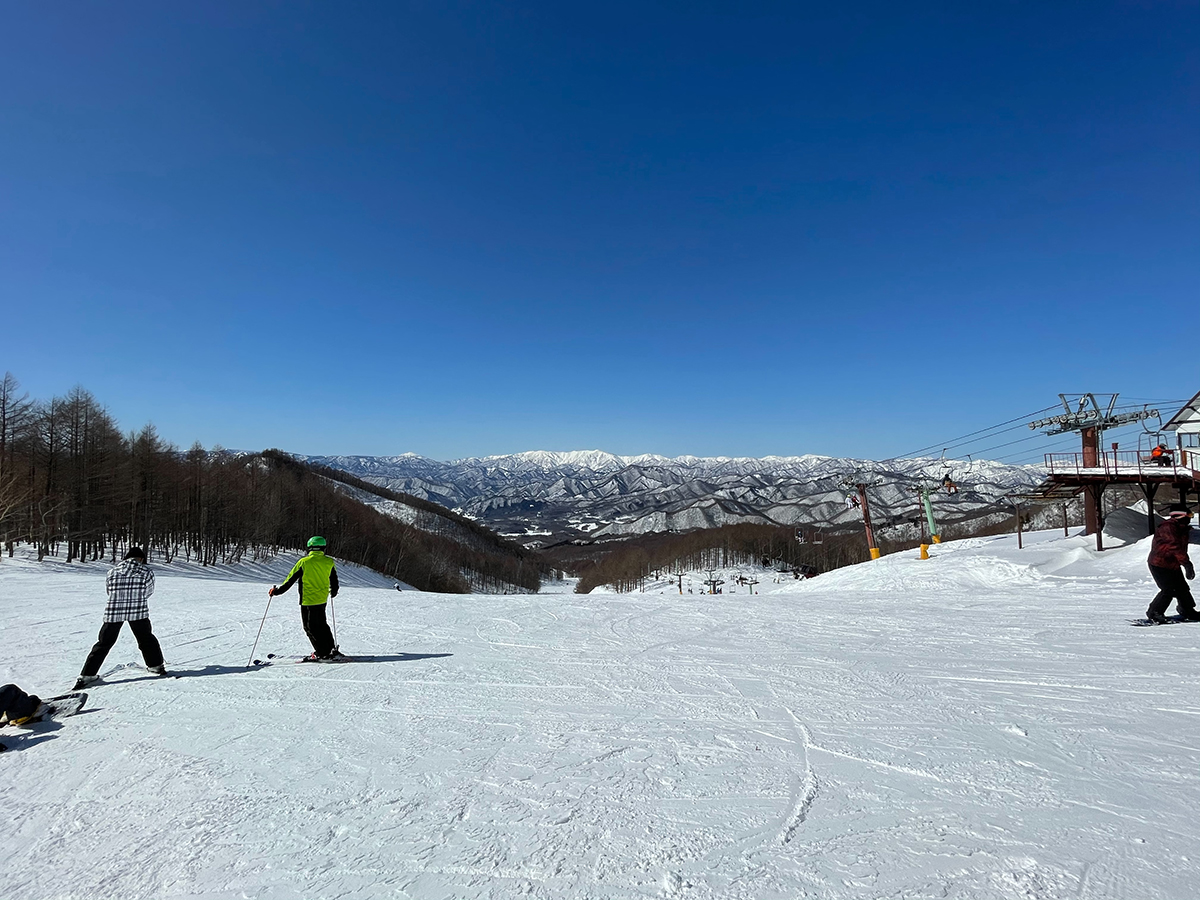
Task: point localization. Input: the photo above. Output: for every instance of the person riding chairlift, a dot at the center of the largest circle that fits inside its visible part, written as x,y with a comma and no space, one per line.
1161,455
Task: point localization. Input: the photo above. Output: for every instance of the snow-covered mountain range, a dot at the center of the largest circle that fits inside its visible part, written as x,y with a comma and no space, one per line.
544,497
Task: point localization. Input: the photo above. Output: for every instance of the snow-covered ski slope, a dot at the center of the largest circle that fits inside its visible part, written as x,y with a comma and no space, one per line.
983,724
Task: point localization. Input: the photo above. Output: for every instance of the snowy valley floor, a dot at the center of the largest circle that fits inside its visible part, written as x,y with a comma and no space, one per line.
983,724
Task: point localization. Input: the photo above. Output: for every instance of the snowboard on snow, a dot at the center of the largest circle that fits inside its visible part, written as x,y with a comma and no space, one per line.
1171,620
57,708
53,708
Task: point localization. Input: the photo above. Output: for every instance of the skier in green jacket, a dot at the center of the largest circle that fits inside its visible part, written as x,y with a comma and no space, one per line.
316,575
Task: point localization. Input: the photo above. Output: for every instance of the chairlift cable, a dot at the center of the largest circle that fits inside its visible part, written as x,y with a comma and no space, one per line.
994,431
995,434
1024,440
1118,430
1034,438
958,440
1035,455
1061,444
965,440
1140,401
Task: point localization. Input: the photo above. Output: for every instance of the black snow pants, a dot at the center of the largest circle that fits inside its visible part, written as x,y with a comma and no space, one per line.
317,628
147,643
16,704
1171,585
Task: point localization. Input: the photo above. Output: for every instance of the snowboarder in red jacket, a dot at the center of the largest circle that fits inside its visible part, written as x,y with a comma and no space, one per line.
1168,563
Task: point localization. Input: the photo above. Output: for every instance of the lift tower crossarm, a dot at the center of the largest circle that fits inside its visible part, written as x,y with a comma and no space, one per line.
1088,414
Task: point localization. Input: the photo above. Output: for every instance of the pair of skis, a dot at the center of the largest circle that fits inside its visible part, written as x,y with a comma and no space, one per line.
275,658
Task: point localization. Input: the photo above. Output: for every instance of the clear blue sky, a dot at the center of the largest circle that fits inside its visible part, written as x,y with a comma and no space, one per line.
463,229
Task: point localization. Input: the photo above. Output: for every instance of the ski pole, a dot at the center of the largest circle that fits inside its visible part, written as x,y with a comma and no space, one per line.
333,618
270,595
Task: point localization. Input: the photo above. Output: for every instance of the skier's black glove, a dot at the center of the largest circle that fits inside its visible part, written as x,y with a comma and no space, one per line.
1189,570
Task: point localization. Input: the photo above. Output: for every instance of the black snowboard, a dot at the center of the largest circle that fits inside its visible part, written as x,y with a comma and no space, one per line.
1171,620
57,707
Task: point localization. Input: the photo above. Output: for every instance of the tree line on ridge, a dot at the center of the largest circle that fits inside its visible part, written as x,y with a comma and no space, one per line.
72,483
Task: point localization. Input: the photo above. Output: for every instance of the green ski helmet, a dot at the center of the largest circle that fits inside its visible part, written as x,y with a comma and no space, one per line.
316,542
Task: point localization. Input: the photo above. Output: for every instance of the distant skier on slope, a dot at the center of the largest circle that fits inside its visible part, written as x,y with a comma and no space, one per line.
1168,554
316,575
129,587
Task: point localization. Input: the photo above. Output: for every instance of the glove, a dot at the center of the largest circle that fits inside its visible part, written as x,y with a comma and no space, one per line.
1189,570
271,592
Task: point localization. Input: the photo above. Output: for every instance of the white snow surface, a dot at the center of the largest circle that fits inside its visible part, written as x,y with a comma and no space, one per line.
982,724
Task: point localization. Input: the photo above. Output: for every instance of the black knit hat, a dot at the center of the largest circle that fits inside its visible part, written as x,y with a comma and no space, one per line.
136,553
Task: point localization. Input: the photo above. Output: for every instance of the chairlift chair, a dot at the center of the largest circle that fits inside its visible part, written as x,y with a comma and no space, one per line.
1154,444
948,484
1154,448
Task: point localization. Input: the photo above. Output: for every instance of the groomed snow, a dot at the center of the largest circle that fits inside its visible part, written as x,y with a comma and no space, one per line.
983,724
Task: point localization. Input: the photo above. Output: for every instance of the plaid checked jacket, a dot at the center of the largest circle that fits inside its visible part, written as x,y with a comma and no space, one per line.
129,585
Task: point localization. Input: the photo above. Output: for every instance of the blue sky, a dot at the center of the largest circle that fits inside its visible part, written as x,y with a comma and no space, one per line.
463,229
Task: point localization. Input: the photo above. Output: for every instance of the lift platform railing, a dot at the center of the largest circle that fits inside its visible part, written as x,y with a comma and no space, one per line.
1127,462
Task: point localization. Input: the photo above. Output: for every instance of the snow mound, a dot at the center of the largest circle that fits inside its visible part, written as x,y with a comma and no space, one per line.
949,568
1128,525
995,564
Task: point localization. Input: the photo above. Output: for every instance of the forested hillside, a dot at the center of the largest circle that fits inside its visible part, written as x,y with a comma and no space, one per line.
72,484
626,565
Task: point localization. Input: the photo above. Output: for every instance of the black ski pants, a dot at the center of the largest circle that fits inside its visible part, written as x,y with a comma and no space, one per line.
147,643
1171,586
317,628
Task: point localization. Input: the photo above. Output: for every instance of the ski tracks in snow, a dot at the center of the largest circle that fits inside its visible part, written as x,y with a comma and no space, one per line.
806,790
766,707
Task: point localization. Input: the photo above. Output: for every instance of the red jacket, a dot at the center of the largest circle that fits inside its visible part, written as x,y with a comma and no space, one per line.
1168,550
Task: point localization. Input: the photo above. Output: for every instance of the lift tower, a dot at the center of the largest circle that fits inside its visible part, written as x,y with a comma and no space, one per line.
1085,415
856,498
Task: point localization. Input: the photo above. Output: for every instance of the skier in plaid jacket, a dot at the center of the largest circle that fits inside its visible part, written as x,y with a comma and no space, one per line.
129,586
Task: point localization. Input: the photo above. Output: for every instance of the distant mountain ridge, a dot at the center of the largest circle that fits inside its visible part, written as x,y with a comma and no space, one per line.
542,497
